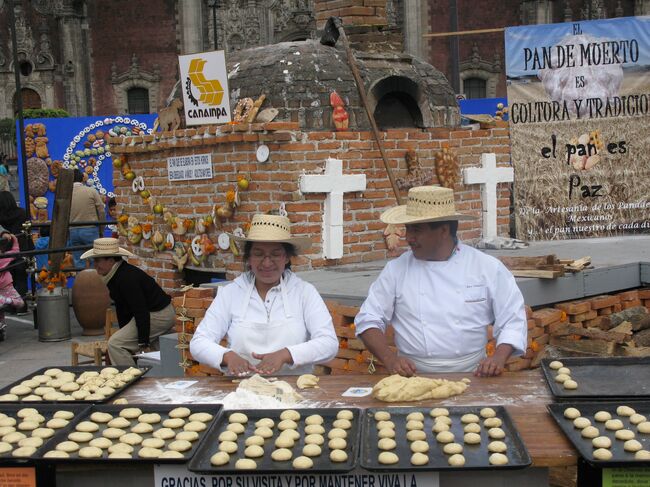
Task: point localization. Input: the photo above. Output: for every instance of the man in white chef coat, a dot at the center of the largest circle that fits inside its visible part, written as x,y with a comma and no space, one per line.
440,296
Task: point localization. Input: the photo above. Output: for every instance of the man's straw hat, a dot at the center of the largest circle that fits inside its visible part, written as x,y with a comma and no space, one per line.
273,229
106,247
425,204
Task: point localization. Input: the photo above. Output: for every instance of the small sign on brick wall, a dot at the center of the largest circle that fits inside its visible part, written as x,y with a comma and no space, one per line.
184,168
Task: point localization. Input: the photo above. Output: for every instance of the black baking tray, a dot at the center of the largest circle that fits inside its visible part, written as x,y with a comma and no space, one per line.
77,370
476,456
114,409
47,410
620,458
602,378
322,464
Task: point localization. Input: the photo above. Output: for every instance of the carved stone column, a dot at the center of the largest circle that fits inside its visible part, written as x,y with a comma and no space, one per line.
191,26
414,16
642,7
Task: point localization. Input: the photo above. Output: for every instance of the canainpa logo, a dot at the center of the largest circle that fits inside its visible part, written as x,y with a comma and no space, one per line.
204,77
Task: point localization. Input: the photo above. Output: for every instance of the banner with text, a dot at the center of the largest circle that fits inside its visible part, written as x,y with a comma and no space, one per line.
579,98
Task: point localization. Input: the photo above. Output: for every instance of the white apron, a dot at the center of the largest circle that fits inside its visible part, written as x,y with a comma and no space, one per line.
246,337
466,363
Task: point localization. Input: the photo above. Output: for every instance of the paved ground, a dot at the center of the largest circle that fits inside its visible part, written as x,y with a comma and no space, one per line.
22,352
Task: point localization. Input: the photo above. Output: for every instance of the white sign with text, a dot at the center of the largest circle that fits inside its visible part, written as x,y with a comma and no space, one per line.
184,168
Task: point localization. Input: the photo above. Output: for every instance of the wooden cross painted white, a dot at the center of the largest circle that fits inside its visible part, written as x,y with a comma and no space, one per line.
489,175
334,183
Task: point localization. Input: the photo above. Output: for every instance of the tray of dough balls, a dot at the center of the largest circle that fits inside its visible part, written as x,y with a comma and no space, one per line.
276,440
24,431
598,378
161,433
76,384
607,433
453,438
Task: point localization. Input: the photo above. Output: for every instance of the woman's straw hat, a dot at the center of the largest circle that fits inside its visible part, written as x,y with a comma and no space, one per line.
274,229
425,204
106,247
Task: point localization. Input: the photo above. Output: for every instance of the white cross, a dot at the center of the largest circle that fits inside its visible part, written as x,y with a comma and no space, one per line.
334,183
489,175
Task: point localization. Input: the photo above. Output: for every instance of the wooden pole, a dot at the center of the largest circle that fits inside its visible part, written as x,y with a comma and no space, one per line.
362,93
60,217
465,32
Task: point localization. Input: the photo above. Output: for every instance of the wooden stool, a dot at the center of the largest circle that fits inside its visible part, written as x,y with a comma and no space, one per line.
96,350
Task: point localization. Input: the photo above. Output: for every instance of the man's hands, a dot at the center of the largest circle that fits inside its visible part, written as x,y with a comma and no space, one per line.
272,362
236,364
400,365
491,366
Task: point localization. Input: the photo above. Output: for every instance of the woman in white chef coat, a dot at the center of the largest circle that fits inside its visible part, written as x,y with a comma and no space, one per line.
273,321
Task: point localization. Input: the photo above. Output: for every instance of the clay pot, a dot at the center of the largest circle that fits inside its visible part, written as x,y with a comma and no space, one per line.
90,298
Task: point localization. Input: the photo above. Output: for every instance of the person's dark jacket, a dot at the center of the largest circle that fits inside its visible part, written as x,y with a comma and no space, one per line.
136,294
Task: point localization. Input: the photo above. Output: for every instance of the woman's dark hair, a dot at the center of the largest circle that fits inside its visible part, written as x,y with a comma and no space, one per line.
7,202
289,249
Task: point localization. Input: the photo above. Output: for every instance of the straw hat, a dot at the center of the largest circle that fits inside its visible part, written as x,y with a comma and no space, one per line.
106,247
425,204
274,229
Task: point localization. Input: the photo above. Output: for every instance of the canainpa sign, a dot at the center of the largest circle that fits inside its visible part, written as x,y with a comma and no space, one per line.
205,88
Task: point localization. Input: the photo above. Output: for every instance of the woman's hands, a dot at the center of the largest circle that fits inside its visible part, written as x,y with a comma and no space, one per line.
270,363
236,365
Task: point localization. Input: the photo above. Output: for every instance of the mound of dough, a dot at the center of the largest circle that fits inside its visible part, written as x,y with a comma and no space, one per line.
456,460
386,444
452,448
396,388
311,450
180,412
238,418
220,458
602,416
314,419
281,455
388,458
498,459
602,454
307,381
302,463
338,456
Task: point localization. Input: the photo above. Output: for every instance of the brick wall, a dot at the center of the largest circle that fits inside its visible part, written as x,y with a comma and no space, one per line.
293,152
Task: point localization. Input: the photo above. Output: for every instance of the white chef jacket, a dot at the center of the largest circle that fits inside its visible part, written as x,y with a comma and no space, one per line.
303,301
440,309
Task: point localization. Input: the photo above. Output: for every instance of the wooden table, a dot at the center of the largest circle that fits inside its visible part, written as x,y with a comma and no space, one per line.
524,394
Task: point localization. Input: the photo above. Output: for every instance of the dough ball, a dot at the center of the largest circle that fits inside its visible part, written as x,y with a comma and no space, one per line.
31,441
313,429
264,432
290,414
5,447
150,418
281,455
238,418
142,428
561,378
5,430
314,419
414,425
35,418
492,423
338,456
24,451
180,412
307,381
556,365
293,434
497,447
642,455
315,439
384,424
245,464
488,413
101,442
287,424
252,451
130,413
286,442
632,445
643,427
340,444
80,436
251,440
456,460
32,397
386,433
382,416
120,455
415,435
345,414
8,421
452,448
14,437
496,433
99,417
113,433
26,412
148,452
388,458
228,446
637,418
624,434
498,459
625,411
171,454
602,416
302,463
601,442
445,437
43,433
9,398
57,423
590,432
20,390
614,424
337,433
415,417
311,450
151,443
469,418
386,444
202,417
173,423
564,370
602,454
472,438
470,428
131,439
67,446
443,420
80,395
199,426
167,433
56,454
220,458
419,446
342,423
437,412
268,422
570,384
27,426
90,452
419,459
581,422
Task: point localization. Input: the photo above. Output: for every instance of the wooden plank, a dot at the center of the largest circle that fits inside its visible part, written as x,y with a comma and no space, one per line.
542,274
527,262
587,347
60,217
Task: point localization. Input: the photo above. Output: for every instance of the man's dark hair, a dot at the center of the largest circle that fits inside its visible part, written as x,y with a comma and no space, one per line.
44,232
453,226
78,176
289,249
111,202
